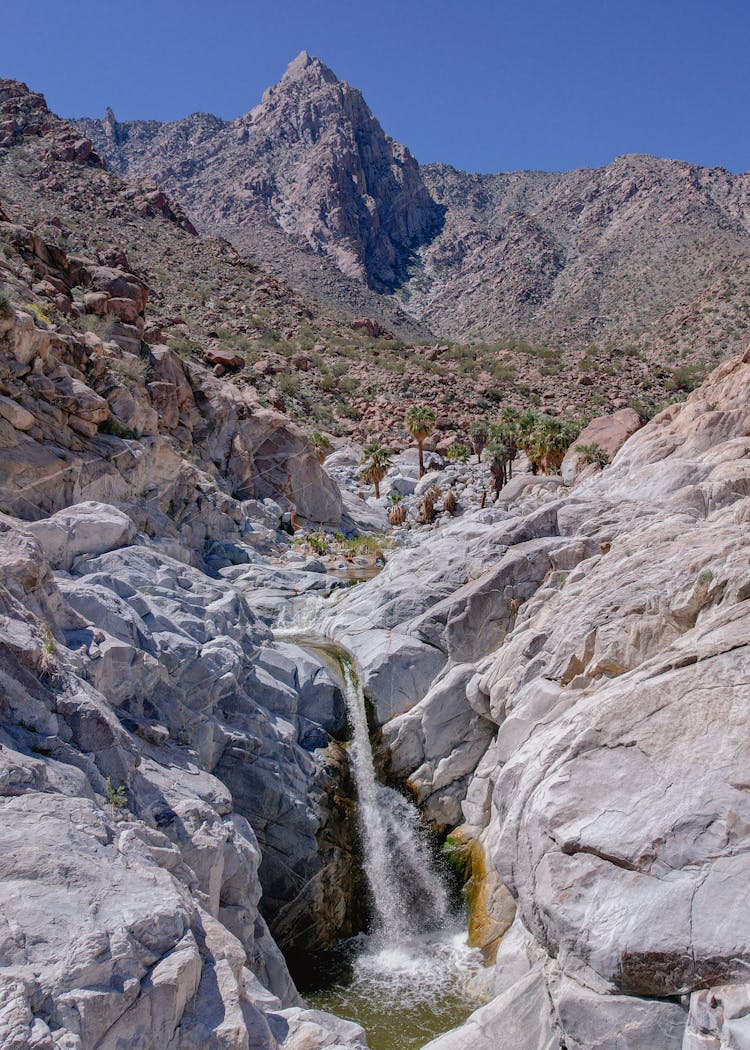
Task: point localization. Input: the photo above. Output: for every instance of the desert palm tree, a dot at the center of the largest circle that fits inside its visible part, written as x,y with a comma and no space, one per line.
375,463
508,420
479,434
420,422
527,436
320,444
498,452
549,441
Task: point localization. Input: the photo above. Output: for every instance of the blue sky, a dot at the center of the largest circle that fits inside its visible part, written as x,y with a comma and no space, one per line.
482,85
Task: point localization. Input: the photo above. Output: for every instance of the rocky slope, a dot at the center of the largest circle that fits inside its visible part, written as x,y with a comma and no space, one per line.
564,676
572,258
164,764
329,372
578,257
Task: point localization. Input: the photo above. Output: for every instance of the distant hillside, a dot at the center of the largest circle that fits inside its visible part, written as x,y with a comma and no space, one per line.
310,186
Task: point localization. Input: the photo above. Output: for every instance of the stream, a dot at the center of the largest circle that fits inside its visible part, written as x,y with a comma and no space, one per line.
411,976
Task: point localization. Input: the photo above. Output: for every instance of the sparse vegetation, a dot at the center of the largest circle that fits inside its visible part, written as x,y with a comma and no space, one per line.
129,368
41,317
114,427
593,453
117,797
6,305
318,542
93,323
458,453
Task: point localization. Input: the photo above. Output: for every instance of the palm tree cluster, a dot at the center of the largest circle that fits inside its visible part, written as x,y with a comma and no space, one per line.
545,440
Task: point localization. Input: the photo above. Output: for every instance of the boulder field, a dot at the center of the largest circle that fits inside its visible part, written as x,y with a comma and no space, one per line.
562,680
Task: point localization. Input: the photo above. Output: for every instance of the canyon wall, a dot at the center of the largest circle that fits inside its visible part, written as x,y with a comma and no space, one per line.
571,670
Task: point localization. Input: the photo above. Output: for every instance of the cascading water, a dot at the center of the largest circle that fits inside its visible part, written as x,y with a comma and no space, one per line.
408,894
410,977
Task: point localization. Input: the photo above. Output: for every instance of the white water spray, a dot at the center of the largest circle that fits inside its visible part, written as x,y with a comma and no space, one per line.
408,894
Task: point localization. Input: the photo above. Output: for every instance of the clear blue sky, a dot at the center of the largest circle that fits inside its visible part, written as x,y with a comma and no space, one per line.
485,85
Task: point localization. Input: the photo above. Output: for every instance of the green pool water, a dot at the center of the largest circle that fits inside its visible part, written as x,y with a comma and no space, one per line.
403,995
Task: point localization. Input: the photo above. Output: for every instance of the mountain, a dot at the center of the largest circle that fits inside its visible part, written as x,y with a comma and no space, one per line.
309,185
577,257
306,178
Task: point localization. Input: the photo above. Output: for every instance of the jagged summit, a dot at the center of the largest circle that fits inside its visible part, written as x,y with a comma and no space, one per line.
309,168
305,65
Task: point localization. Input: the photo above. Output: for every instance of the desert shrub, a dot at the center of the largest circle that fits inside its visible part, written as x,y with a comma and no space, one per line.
129,368
6,306
318,541
40,316
458,453
288,383
182,345
93,323
593,453
363,545
117,797
685,379
116,429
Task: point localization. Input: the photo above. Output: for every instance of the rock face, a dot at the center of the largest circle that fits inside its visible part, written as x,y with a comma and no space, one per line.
608,432
588,724
72,406
173,785
162,765
310,162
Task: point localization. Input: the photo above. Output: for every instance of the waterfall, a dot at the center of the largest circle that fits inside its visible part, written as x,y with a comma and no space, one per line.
414,975
408,894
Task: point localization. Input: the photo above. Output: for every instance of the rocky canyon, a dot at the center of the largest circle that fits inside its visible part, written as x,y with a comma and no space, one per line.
483,725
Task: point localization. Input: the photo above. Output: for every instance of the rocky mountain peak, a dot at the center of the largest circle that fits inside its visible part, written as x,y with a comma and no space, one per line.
309,166
306,66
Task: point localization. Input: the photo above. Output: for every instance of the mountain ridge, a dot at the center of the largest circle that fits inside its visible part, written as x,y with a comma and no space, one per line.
570,257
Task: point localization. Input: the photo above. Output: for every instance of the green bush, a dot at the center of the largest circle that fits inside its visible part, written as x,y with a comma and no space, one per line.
458,453
6,306
593,453
288,383
116,796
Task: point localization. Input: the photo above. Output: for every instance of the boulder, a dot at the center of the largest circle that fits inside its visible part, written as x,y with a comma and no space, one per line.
225,358
609,432
84,528
16,415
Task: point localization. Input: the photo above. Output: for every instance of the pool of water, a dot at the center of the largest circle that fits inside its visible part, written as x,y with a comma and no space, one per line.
402,995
